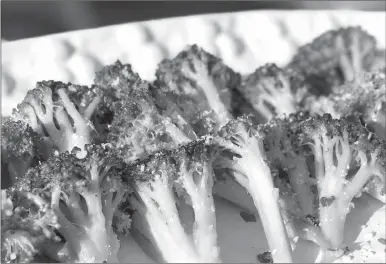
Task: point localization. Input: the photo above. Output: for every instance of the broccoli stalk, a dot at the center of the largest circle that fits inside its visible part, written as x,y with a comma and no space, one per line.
197,176
250,170
335,144
159,182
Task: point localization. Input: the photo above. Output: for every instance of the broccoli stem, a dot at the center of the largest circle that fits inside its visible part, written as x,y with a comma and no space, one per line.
333,206
265,198
332,219
110,204
258,181
176,134
298,180
203,79
205,233
335,192
91,107
87,235
160,211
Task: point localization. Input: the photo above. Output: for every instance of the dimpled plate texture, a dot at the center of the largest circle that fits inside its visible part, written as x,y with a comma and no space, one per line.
244,40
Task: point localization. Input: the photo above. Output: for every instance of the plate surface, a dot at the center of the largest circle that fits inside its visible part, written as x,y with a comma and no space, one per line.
244,40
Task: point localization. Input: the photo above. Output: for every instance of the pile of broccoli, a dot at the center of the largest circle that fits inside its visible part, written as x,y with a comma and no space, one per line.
83,165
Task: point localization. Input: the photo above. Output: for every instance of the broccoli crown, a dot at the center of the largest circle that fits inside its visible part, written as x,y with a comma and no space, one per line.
173,162
365,98
234,139
21,149
343,144
269,91
281,138
334,57
195,152
26,223
84,195
117,83
158,165
325,125
138,128
71,174
46,94
238,131
18,139
346,157
64,171
117,80
201,86
62,112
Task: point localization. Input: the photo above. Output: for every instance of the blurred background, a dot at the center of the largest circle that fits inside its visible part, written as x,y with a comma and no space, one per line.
25,19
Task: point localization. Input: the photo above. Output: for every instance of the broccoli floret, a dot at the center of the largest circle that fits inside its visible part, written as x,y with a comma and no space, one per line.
117,80
201,86
21,148
165,179
364,97
345,156
60,111
245,159
269,91
292,176
280,137
84,194
27,223
334,57
138,128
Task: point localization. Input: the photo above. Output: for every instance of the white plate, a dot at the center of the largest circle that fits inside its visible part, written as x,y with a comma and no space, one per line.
244,40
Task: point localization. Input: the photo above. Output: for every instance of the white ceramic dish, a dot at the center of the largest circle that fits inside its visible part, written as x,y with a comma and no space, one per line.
244,40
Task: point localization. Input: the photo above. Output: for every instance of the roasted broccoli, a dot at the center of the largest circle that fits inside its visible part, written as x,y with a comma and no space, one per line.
364,97
61,112
138,128
346,156
27,223
164,180
244,158
125,158
334,57
83,194
21,148
201,86
269,91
